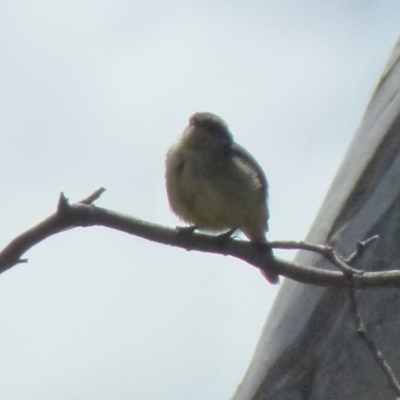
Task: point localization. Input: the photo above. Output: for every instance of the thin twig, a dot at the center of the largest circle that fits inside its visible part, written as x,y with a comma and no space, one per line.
301,245
335,259
350,273
94,196
325,250
362,333
359,251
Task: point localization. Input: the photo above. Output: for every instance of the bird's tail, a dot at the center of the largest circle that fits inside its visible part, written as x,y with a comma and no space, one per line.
257,237
271,277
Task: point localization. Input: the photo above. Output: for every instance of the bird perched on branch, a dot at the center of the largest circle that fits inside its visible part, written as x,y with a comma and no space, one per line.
215,184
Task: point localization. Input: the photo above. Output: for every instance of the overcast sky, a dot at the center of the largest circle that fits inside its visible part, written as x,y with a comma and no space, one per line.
92,93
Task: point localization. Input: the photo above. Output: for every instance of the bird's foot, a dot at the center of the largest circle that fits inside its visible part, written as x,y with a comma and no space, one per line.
227,235
185,230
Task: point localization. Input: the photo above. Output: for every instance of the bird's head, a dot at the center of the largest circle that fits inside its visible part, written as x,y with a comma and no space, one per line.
207,131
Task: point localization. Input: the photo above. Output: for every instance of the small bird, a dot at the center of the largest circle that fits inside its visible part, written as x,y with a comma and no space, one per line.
215,184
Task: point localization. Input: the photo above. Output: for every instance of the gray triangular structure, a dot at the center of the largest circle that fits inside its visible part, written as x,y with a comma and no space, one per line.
309,348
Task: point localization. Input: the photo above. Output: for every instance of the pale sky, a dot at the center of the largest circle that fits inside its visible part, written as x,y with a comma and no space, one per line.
92,94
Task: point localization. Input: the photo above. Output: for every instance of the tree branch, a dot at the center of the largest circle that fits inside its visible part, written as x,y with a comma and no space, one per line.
350,273
84,214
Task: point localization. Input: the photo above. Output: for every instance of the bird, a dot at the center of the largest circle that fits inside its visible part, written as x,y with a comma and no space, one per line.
215,184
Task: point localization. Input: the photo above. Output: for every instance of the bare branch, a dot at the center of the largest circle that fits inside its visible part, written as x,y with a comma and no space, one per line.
363,334
361,246
325,250
350,274
85,215
93,197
